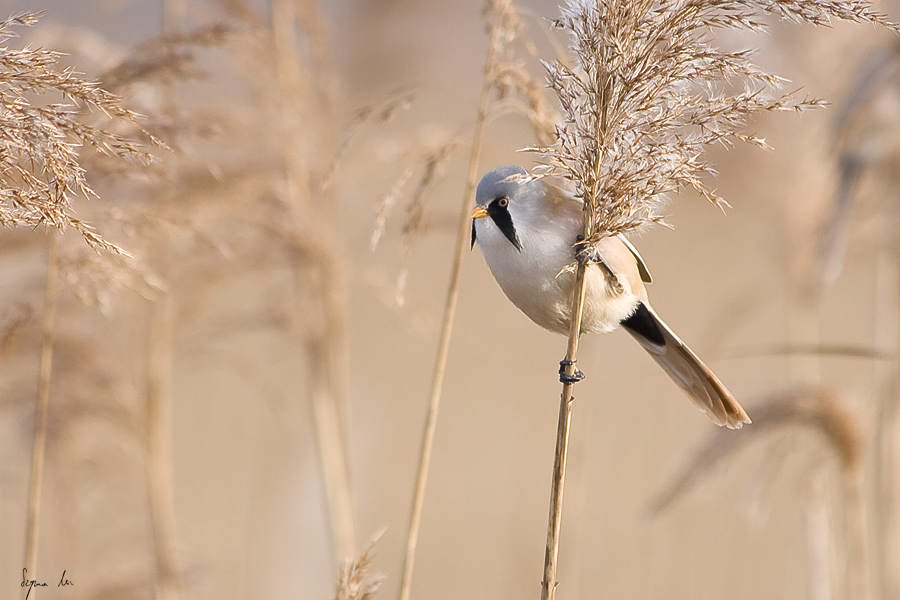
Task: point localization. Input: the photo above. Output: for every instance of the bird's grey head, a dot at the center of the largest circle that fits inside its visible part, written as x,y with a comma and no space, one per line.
496,191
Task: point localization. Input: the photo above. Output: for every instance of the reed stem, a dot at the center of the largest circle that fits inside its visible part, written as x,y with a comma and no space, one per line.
440,363
557,487
41,410
158,443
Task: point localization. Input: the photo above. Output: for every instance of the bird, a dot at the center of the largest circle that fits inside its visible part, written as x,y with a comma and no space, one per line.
529,231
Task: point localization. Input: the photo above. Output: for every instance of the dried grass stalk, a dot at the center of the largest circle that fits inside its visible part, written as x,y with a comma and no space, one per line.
558,484
502,25
303,71
36,479
158,446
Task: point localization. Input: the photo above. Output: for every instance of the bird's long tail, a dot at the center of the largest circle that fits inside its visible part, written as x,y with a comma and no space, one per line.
686,370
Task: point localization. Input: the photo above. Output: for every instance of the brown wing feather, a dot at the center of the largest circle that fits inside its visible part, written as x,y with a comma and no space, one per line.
684,367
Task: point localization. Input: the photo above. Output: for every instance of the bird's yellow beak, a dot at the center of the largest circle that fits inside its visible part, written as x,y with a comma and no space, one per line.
479,212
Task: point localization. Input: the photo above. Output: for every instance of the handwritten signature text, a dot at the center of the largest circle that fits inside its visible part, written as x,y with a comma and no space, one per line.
33,583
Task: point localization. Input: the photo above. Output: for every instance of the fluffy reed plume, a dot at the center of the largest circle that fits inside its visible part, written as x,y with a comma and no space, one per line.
645,94
96,279
433,164
40,162
866,128
517,90
45,127
171,56
356,581
648,92
837,430
12,323
816,409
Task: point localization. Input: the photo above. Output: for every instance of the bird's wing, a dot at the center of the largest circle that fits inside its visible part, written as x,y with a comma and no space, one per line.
642,266
561,200
619,258
617,253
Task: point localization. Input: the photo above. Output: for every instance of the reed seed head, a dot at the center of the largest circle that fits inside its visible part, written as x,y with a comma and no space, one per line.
646,92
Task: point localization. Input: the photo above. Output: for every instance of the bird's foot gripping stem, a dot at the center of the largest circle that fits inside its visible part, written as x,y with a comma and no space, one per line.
583,252
565,377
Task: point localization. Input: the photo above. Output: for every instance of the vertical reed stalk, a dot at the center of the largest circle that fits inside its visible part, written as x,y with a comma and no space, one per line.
822,577
325,354
891,484
884,506
158,445
42,408
316,269
819,546
440,363
158,386
858,562
557,486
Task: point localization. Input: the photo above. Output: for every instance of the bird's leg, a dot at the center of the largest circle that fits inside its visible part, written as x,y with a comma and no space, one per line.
583,254
565,377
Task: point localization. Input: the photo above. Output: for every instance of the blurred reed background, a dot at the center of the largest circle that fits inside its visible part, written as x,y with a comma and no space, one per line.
237,407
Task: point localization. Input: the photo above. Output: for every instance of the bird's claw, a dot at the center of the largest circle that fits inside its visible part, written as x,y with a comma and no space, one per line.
564,377
583,252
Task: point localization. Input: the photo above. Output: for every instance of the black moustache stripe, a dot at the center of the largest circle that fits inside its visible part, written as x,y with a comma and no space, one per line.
500,216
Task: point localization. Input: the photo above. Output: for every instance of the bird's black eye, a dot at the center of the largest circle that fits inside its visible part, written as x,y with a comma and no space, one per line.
503,202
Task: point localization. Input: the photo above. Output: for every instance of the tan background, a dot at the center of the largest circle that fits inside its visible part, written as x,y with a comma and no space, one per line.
251,517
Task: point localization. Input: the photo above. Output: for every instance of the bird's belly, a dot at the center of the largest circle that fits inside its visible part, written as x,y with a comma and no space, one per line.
605,305
550,307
